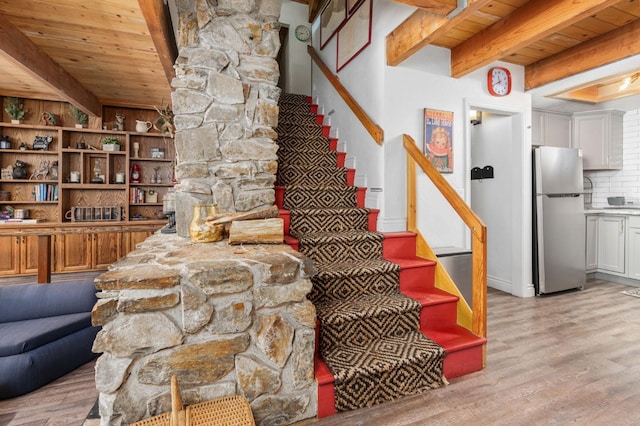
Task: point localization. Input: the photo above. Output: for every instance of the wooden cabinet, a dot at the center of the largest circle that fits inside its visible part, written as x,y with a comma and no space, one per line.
591,243
599,135
550,129
611,243
89,251
18,255
633,249
135,238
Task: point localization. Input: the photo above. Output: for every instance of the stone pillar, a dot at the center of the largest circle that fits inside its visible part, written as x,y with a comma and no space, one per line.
225,104
225,320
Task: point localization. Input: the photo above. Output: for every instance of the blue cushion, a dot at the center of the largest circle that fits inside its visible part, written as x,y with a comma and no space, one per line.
30,301
22,336
26,372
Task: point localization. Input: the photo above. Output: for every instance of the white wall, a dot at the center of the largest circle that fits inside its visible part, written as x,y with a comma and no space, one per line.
297,79
625,182
395,98
491,198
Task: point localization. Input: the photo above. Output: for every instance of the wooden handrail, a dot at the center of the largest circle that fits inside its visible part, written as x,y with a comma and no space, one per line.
374,130
475,224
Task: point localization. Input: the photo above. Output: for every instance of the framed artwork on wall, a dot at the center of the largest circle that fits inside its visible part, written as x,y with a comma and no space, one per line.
351,6
438,139
331,18
354,35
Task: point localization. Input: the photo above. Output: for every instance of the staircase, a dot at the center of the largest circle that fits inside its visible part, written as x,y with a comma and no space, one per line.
384,330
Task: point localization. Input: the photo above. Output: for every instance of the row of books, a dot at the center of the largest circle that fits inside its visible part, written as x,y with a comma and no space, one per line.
137,196
45,192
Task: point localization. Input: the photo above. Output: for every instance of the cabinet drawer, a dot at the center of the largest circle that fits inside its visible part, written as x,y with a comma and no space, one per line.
634,221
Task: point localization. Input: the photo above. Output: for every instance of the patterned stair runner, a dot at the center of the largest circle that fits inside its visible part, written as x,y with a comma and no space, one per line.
369,331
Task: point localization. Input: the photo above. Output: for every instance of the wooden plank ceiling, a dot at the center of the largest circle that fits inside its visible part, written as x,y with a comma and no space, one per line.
88,53
552,39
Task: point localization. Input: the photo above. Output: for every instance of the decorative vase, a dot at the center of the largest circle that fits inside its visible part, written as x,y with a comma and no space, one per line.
199,230
15,121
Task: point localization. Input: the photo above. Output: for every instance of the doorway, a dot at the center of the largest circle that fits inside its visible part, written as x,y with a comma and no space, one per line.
504,201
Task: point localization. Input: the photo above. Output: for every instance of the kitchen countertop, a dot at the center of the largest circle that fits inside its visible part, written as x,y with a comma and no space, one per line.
618,211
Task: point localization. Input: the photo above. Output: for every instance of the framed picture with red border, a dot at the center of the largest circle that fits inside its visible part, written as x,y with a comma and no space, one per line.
331,18
352,5
355,35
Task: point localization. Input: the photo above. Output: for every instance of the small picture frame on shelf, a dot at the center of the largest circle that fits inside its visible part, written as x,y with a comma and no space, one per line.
7,174
157,152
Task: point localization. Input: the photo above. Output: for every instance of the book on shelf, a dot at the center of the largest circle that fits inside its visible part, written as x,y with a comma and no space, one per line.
26,221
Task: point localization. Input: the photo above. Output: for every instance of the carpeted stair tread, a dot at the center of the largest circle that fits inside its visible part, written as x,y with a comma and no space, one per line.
306,158
336,311
305,221
306,118
358,321
287,141
309,176
347,246
345,237
300,129
384,369
353,279
308,197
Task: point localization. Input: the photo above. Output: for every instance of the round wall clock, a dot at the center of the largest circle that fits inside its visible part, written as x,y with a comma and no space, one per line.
499,81
302,33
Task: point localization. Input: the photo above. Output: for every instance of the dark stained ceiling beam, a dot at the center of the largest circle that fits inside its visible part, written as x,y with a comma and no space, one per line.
156,14
25,53
531,22
610,47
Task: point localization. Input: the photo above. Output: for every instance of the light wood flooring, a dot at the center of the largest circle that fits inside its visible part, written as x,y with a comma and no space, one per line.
570,358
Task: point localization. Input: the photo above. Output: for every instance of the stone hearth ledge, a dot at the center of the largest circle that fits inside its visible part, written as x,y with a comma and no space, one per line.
225,319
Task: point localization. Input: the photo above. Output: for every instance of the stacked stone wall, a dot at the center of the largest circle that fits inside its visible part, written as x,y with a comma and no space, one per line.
225,101
225,320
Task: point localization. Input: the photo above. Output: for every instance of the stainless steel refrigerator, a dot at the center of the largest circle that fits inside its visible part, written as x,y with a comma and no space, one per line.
558,220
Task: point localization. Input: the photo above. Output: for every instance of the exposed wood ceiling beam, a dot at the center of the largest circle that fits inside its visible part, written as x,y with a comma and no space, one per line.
610,47
439,7
421,29
156,14
315,7
529,23
25,53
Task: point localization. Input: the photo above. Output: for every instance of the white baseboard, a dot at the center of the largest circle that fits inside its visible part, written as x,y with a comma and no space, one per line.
499,284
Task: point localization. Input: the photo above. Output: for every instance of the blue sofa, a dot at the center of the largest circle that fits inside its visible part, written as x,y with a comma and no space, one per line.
45,333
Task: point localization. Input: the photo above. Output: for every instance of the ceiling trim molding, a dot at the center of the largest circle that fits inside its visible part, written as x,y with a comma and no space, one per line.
158,19
20,49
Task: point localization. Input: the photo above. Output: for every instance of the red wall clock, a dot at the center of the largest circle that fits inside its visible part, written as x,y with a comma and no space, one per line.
499,81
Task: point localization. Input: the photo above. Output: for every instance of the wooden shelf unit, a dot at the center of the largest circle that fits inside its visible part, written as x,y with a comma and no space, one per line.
89,162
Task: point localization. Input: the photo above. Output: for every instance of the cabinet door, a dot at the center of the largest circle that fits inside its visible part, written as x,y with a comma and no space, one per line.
137,237
74,252
611,231
634,253
9,256
590,135
107,248
557,130
29,254
592,243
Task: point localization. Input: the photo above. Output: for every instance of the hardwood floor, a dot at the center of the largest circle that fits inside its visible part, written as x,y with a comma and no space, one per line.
570,358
